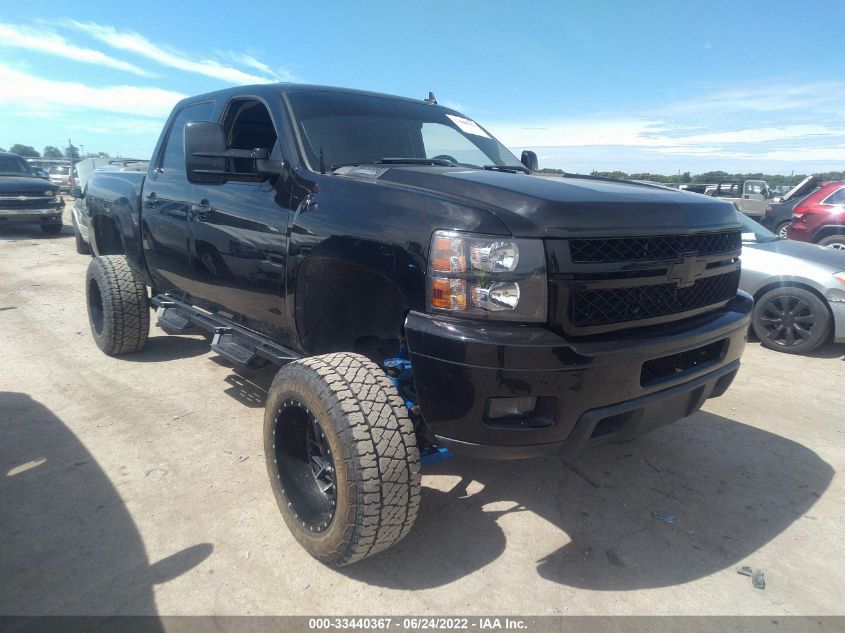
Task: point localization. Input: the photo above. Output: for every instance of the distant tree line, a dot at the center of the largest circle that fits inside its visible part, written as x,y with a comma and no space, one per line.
71,152
709,177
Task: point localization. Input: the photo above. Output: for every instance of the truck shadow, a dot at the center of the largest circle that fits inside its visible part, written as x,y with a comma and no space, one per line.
167,347
13,233
70,546
725,482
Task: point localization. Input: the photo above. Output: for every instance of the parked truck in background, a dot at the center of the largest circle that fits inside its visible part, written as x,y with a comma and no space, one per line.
26,198
751,197
420,288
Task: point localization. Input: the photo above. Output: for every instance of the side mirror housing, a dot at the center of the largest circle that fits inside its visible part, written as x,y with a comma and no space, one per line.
205,149
207,160
529,159
76,192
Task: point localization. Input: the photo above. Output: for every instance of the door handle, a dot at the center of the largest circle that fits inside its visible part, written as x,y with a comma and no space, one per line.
201,212
152,200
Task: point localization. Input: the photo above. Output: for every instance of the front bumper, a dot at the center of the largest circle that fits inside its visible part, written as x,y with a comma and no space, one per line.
46,215
593,390
837,308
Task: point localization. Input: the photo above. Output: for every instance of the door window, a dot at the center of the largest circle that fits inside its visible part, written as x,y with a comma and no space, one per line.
249,126
837,197
173,158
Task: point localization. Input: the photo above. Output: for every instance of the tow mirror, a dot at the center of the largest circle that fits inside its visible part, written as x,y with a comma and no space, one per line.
529,159
205,152
76,192
208,161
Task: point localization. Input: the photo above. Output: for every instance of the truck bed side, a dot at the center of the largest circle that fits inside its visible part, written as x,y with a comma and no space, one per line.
114,215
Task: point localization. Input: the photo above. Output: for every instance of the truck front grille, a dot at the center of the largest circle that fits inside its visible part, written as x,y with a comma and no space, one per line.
8,202
606,284
593,307
634,249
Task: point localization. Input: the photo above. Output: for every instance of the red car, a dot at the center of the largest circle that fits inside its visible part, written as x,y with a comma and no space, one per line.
820,217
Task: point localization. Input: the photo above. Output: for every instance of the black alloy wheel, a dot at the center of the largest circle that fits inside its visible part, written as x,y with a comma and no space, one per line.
305,465
791,320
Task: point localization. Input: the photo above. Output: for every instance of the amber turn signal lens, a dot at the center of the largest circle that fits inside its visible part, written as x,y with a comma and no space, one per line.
441,253
449,294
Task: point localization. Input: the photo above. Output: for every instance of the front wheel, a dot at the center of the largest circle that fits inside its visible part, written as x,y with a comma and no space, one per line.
834,241
342,457
781,229
791,320
118,307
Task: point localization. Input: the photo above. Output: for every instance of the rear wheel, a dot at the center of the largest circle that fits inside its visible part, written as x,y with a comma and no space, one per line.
780,231
791,320
342,457
833,241
118,307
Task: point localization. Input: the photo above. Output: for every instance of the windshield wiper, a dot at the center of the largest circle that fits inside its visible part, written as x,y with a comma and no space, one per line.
437,162
508,168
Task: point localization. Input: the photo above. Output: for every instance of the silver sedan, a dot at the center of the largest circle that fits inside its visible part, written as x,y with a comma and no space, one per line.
798,288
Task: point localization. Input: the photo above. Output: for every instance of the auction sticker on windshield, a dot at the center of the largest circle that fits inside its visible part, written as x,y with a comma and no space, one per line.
468,126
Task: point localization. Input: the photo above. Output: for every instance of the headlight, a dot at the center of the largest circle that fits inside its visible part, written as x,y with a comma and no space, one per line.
49,193
487,277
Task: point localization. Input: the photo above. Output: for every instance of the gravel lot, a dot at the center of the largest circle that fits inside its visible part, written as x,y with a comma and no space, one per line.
138,486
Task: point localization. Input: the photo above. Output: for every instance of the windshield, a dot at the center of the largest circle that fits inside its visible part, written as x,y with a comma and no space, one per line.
352,129
753,232
13,166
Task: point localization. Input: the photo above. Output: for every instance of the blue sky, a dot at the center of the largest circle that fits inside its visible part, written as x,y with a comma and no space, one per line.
635,86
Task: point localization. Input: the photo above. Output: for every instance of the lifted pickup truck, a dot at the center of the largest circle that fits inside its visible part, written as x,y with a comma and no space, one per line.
422,291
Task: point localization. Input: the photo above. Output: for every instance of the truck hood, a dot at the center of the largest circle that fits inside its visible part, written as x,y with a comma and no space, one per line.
25,185
535,206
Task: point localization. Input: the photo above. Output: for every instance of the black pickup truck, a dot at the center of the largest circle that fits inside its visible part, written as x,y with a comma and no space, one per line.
421,289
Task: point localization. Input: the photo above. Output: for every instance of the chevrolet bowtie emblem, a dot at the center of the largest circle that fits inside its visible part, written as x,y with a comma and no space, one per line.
685,272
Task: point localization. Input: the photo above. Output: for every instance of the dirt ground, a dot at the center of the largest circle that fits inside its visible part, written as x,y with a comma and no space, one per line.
138,486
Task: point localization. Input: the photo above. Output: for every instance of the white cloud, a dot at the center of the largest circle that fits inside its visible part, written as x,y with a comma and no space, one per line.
279,74
772,126
23,90
140,45
145,127
44,41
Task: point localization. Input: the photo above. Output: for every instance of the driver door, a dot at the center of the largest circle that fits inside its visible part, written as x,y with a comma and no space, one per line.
238,231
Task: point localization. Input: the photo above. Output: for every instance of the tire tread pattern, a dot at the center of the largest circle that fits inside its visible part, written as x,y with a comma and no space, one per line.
383,464
126,308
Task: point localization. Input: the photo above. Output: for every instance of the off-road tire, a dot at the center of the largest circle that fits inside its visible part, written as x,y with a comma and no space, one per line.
833,241
372,445
51,229
82,247
118,307
768,308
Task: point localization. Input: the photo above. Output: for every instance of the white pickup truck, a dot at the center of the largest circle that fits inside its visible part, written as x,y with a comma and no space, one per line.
750,197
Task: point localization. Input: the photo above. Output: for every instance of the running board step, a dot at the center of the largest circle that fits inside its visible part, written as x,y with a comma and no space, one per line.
172,322
236,344
229,347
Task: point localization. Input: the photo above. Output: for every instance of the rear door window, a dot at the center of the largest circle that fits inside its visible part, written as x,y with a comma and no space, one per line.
837,197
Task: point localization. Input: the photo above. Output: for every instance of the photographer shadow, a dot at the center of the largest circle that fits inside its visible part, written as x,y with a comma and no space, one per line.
70,546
